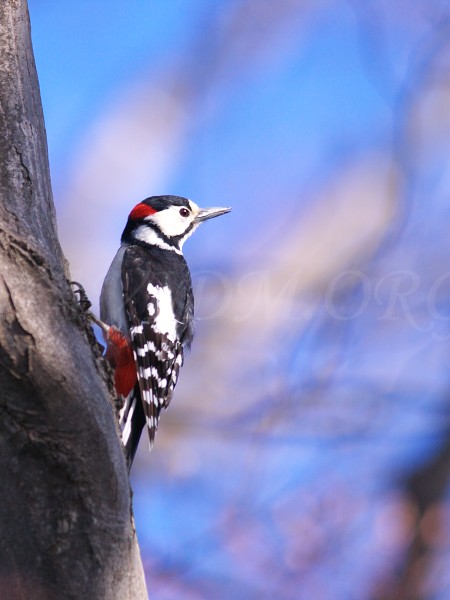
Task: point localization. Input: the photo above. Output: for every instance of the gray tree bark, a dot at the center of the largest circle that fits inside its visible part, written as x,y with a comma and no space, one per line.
66,527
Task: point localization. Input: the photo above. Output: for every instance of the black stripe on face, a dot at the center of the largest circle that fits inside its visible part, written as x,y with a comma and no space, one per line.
171,241
179,238
158,203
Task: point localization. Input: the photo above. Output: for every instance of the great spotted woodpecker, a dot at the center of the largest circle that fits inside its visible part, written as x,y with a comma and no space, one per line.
147,310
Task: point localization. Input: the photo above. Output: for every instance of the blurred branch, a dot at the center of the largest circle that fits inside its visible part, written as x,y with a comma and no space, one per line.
425,499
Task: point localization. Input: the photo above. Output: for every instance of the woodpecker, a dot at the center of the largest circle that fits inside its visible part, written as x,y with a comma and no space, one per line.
147,310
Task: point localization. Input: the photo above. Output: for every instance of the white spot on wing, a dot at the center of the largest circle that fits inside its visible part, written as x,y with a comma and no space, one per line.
165,321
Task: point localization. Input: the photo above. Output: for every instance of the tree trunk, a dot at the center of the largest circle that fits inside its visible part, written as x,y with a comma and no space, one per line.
66,527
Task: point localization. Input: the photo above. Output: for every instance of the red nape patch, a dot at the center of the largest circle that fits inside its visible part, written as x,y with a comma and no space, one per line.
140,211
120,355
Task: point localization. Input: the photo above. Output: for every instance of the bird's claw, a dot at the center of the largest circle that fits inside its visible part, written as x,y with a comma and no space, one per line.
86,304
81,296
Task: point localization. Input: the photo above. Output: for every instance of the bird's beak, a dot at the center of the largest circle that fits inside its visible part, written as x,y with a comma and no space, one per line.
209,213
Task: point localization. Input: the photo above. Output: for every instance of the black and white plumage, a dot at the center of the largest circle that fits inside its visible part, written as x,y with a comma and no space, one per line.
148,308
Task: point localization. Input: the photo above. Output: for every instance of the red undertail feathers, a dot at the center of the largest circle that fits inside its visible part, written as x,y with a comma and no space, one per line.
120,355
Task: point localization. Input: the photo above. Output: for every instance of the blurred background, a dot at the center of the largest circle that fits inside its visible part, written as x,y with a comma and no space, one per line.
306,454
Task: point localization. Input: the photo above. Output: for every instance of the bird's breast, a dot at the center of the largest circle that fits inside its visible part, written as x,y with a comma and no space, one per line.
112,310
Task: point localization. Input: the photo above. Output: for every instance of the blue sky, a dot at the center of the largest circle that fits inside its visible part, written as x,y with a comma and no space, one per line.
285,107
262,131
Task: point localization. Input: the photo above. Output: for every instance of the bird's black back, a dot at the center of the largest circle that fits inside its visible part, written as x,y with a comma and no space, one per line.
150,264
162,269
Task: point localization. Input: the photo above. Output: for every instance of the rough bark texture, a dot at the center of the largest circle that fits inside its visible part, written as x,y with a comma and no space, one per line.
66,528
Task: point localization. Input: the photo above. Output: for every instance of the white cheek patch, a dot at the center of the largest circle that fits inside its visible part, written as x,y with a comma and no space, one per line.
170,222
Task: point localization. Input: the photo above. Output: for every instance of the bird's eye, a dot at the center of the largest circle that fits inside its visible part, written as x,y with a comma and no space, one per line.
184,212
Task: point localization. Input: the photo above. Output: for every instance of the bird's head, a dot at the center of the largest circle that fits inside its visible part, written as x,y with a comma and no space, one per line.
166,221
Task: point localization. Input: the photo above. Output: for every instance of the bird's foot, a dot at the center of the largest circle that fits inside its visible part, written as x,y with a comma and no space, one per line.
81,296
85,304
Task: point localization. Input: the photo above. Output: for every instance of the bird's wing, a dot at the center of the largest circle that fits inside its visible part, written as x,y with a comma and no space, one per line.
157,353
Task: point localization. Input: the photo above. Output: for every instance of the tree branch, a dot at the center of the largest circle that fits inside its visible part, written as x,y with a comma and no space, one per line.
66,528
